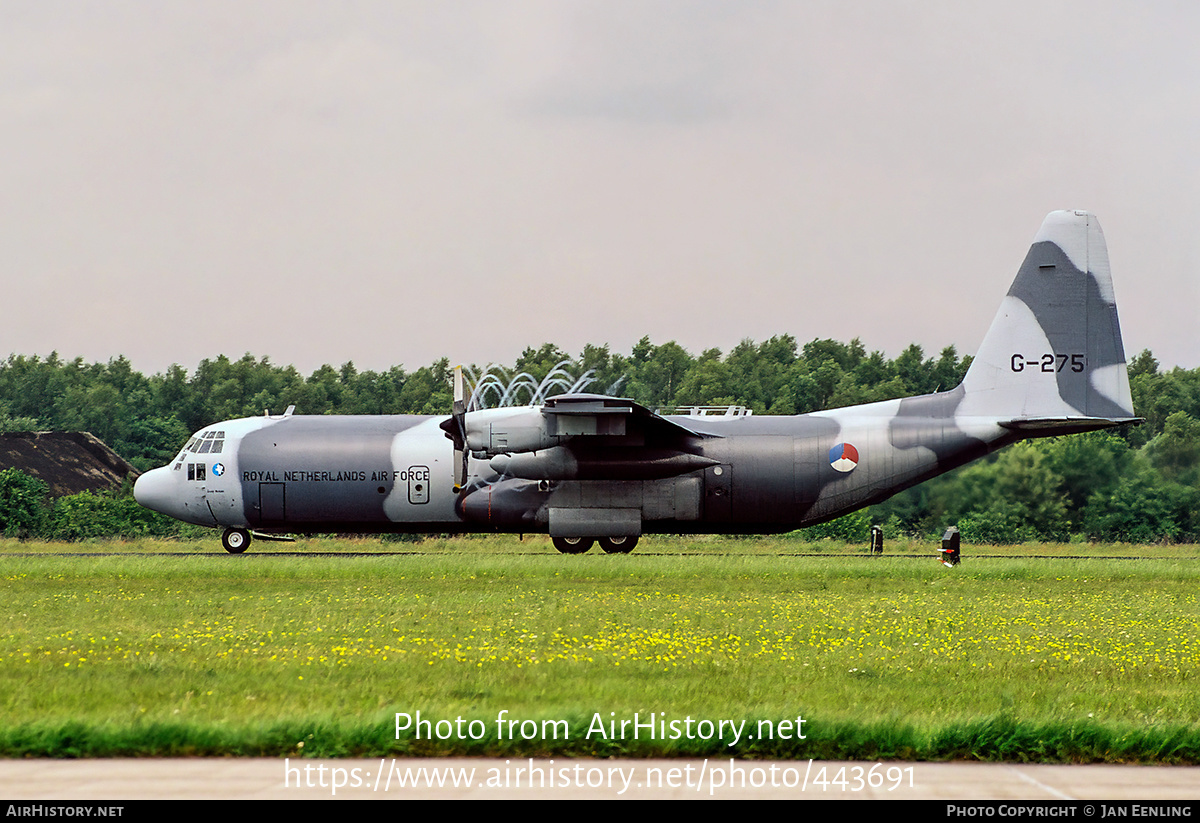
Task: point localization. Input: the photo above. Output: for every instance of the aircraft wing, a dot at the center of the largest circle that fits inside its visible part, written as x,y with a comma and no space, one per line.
599,406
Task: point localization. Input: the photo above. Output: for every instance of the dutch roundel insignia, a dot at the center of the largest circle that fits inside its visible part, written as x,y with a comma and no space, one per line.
843,457
218,469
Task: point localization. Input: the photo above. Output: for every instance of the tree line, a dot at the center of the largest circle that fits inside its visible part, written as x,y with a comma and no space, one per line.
1136,484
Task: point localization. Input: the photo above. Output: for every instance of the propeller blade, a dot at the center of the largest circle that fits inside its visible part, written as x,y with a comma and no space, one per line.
460,430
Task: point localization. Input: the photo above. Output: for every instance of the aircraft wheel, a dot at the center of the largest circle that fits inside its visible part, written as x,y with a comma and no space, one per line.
235,541
572,545
618,545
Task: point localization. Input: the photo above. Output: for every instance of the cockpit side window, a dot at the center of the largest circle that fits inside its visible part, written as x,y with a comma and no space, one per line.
187,447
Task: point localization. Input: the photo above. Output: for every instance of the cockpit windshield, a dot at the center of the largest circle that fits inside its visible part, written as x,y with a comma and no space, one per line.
210,442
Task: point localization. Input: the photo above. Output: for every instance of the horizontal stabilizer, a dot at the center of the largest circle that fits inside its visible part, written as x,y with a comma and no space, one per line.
1053,426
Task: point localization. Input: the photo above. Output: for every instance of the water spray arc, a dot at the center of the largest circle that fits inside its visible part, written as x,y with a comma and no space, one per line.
495,383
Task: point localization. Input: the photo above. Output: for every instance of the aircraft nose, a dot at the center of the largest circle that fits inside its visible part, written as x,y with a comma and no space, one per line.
155,491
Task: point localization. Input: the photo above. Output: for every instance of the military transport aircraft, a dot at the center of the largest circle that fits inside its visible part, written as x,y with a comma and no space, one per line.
589,468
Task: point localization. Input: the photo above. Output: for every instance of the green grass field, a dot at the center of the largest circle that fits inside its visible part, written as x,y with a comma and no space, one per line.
1010,657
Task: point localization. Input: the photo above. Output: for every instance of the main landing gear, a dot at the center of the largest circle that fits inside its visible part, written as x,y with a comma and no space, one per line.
235,541
579,545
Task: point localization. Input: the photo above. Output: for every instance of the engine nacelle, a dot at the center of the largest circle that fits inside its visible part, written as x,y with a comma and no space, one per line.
530,428
508,504
497,431
614,463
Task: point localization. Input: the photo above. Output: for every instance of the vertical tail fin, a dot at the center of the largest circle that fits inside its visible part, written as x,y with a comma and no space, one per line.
1054,350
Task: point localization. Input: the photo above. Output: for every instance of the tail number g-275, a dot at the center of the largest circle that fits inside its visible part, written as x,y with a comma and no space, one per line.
1047,362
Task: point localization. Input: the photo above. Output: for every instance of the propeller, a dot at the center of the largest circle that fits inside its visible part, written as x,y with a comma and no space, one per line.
456,430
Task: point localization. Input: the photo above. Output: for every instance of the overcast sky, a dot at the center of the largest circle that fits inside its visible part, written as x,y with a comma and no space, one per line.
393,182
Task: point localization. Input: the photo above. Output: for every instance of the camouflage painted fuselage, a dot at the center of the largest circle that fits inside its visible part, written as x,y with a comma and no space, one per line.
395,473
591,466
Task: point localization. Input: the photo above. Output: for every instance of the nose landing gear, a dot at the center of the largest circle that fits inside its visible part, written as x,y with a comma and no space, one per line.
235,541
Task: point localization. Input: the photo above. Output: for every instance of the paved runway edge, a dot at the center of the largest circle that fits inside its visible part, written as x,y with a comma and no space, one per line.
1154,791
